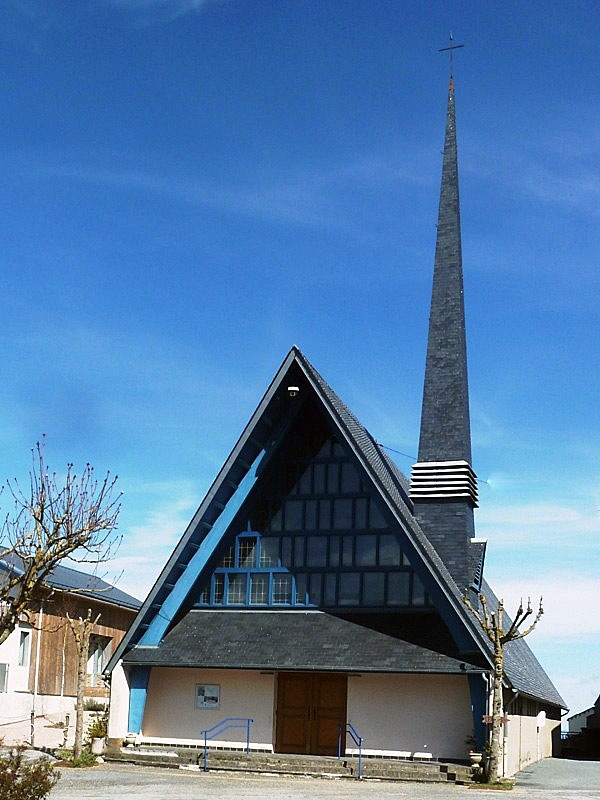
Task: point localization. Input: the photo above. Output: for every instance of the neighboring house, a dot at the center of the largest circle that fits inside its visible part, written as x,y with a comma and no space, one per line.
316,587
38,661
583,741
578,722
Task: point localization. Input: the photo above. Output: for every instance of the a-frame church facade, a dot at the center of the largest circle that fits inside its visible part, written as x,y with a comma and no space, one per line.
316,586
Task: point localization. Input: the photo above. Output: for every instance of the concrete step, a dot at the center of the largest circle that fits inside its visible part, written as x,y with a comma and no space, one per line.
325,766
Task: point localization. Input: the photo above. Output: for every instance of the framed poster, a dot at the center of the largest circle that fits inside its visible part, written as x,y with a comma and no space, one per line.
208,695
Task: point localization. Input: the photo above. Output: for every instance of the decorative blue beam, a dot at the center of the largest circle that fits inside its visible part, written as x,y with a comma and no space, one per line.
138,689
171,605
478,690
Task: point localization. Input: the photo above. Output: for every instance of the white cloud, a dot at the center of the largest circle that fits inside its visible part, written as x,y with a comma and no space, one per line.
540,522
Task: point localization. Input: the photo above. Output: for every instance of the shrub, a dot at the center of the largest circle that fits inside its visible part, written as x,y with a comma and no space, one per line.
89,704
23,780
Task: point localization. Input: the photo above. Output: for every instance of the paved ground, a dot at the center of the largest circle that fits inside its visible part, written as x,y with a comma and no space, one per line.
46,735
551,780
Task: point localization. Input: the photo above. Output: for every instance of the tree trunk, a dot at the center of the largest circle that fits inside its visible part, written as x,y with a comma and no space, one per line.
496,740
82,654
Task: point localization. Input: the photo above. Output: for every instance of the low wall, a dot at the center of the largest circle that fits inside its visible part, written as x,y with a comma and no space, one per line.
526,743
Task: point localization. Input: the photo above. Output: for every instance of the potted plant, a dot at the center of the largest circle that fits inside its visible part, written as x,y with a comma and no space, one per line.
97,735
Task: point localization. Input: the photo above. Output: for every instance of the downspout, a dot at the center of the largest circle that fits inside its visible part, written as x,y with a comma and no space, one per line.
38,645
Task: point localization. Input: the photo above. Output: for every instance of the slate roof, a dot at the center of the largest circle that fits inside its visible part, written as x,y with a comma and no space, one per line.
72,580
297,640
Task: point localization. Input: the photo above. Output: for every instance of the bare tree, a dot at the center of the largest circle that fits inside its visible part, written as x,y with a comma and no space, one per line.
81,629
74,516
492,624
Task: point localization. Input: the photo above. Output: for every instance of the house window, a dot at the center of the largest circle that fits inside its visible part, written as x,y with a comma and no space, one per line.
24,647
97,652
3,678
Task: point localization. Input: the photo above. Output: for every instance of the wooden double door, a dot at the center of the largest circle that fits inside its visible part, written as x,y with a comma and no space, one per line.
311,707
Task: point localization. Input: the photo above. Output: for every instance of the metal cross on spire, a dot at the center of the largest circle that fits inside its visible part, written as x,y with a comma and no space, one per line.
452,47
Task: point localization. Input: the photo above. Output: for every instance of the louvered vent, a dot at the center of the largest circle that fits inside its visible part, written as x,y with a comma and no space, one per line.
434,480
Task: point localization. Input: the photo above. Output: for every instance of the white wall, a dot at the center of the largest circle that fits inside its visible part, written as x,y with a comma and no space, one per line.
16,702
403,714
171,713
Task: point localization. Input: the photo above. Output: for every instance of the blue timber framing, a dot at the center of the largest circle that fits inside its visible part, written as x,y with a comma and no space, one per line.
478,690
176,597
138,690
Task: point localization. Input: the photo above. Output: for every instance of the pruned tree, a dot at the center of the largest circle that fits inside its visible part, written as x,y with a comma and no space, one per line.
73,517
492,624
81,629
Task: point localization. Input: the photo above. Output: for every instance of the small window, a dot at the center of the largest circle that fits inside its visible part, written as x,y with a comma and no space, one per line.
350,479
282,588
236,590
373,588
227,560
269,552
366,550
342,514
329,593
259,588
349,588
389,551
316,555
24,644
218,588
398,588
247,551
3,678
293,515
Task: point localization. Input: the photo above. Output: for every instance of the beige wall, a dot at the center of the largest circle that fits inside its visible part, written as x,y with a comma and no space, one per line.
411,713
525,743
171,712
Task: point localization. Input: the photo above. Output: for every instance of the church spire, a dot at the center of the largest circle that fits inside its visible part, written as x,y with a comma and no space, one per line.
443,484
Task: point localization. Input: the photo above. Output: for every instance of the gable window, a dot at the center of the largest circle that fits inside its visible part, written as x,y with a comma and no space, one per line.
315,537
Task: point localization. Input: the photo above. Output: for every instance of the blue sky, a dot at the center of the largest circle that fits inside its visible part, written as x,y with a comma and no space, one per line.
189,188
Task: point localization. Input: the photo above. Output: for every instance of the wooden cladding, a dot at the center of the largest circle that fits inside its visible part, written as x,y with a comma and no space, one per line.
57,652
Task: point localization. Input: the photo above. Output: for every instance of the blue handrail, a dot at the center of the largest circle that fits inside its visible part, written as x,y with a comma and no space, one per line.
223,725
358,740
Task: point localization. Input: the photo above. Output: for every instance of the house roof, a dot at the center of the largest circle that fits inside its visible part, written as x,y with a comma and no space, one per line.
67,579
255,443
305,640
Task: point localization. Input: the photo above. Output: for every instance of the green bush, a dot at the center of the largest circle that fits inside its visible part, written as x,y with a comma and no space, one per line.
22,780
89,704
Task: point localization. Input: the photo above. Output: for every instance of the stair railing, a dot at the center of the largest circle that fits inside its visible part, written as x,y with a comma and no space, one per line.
358,741
223,725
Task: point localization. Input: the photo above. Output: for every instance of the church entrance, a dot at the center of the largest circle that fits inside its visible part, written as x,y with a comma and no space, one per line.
310,709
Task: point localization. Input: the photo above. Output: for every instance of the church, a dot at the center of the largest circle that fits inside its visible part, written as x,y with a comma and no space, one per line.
317,588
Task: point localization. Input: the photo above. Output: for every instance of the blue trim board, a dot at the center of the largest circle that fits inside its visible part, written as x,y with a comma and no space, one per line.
176,597
478,690
138,689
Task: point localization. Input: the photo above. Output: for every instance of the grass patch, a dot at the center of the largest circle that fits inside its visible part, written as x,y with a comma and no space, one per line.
501,786
86,759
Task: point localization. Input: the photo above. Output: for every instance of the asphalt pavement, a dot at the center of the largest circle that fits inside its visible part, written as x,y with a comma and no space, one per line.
552,779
